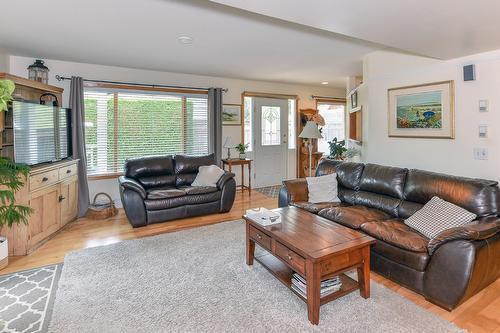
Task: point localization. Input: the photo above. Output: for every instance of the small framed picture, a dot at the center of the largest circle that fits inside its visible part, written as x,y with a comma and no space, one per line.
354,100
231,115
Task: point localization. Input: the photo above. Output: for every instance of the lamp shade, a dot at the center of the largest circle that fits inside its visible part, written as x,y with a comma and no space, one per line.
228,143
310,131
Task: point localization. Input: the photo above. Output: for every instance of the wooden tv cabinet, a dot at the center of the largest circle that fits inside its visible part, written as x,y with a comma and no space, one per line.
52,191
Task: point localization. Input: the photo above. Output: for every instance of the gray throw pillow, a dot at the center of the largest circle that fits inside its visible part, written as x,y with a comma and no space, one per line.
208,176
438,215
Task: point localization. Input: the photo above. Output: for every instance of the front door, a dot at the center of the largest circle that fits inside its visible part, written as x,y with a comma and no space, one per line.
270,141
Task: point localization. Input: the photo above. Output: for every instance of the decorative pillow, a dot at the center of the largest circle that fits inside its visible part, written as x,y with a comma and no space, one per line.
438,215
323,188
208,176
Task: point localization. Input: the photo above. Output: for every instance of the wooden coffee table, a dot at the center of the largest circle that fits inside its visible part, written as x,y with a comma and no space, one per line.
314,247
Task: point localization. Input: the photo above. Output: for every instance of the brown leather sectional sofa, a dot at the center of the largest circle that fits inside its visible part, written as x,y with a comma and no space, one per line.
447,269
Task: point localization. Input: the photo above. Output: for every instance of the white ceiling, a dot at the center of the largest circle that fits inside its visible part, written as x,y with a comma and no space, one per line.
442,29
143,34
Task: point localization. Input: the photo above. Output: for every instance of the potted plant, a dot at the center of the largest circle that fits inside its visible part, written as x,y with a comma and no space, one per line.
12,176
337,149
242,148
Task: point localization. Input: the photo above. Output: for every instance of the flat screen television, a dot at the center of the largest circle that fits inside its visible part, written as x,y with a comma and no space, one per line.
42,133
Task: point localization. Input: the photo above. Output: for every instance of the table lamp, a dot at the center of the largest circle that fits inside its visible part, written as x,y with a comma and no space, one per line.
310,132
228,144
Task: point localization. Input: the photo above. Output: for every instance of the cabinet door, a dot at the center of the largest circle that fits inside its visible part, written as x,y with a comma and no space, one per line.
69,200
46,216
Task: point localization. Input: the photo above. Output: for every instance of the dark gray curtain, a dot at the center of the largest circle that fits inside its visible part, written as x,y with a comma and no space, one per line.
78,138
215,122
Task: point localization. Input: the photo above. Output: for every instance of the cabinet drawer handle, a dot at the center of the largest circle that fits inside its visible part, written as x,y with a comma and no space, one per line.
259,236
68,171
290,257
61,198
44,179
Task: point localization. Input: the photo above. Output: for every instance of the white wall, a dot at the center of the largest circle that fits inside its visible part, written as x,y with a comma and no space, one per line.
385,69
18,66
4,61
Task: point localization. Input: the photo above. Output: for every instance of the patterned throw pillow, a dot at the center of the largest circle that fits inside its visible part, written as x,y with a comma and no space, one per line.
323,188
438,215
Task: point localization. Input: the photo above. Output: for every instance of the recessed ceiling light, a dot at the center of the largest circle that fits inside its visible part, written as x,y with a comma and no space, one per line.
185,39
324,82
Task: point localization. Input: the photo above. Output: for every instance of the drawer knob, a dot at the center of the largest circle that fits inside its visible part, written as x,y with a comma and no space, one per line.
44,179
68,171
290,257
61,198
259,236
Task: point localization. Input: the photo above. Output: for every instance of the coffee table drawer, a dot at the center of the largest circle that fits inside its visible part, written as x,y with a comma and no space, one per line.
261,238
293,259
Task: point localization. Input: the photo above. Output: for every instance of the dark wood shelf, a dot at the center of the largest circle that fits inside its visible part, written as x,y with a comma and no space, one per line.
284,274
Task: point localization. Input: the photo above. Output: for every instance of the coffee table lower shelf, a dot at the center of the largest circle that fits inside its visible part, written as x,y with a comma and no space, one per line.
284,274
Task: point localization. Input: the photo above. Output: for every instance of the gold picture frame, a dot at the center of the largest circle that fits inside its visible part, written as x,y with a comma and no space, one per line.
422,111
232,115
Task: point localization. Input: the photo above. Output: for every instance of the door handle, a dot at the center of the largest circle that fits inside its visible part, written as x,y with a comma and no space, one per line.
61,198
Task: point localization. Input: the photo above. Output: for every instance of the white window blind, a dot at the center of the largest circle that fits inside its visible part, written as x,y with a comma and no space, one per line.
121,124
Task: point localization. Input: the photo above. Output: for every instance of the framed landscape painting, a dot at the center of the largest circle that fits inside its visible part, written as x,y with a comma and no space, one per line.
422,111
231,114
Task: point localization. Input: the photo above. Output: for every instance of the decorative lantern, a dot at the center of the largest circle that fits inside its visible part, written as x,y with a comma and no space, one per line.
38,72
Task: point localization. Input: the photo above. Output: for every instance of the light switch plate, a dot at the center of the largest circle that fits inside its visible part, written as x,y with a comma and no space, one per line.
483,105
483,131
480,154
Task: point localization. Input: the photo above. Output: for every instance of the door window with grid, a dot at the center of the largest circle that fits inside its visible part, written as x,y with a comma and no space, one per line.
121,124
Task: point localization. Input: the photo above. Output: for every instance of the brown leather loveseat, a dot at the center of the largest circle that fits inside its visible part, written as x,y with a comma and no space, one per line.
375,199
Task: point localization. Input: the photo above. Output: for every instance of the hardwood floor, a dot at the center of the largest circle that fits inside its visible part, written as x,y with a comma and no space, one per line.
479,314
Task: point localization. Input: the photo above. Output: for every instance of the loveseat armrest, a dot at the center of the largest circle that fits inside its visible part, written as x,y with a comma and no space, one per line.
224,179
132,184
293,190
481,229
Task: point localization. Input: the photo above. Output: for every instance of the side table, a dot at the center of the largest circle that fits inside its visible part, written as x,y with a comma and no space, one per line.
236,161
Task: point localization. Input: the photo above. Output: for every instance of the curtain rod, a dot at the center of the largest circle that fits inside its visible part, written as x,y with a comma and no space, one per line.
326,97
62,78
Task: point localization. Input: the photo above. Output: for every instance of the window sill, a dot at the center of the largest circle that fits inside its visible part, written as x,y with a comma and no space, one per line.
105,176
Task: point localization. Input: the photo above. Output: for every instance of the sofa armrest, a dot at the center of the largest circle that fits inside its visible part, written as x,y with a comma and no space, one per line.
481,229
224,179
292,191
133,185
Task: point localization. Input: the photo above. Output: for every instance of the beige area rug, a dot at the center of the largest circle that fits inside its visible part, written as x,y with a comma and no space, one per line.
197,281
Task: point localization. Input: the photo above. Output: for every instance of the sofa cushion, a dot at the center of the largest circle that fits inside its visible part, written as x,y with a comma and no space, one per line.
415,260
193,190
159,204
353,216
478,196
316,207
438,215
382,202
396,233
151,171
164,193
384,180
190,164
349,174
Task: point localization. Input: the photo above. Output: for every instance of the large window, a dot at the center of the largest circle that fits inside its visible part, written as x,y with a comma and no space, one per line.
334,115
121,124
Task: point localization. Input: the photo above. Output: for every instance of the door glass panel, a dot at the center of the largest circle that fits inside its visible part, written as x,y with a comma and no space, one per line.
270,123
